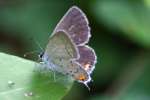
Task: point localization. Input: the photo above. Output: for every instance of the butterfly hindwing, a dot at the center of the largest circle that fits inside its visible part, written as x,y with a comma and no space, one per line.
75,70
87,58
76,25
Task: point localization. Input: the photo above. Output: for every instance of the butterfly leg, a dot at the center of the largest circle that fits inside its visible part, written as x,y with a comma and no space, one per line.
54,76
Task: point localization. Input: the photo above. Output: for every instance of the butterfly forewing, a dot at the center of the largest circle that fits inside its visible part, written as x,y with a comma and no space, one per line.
60,47
76,25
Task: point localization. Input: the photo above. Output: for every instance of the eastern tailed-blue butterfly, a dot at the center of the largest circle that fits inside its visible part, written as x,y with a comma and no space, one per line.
67,52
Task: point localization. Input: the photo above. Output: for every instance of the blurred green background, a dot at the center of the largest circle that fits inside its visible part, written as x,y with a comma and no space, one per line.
120,36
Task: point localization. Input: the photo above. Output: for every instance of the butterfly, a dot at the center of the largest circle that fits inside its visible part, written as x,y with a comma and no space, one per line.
67,51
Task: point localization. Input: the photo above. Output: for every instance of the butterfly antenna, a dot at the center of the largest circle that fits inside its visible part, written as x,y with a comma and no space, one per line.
38,44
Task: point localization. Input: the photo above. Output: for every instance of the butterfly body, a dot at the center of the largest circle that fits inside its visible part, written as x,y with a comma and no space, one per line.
67,51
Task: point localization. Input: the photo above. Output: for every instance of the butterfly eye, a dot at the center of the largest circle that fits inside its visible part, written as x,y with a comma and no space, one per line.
41,54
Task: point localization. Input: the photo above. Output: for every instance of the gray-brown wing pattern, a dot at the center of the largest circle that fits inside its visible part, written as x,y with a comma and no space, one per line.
87,58
61,46
62,53
75,70
76,25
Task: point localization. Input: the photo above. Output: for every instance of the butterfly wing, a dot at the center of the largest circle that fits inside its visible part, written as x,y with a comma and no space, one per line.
76,25
87,58
61,46
62,53
75,70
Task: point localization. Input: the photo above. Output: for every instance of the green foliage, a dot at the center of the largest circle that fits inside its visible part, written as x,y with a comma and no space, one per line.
133,83
29,84
32,19
130,17
120,32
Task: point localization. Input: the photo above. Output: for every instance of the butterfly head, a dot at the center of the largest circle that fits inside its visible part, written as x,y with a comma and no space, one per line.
41,55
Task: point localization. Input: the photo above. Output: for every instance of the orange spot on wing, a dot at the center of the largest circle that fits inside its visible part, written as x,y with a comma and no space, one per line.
82,77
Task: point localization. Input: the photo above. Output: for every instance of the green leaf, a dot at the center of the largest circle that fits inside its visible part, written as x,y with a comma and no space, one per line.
29,84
